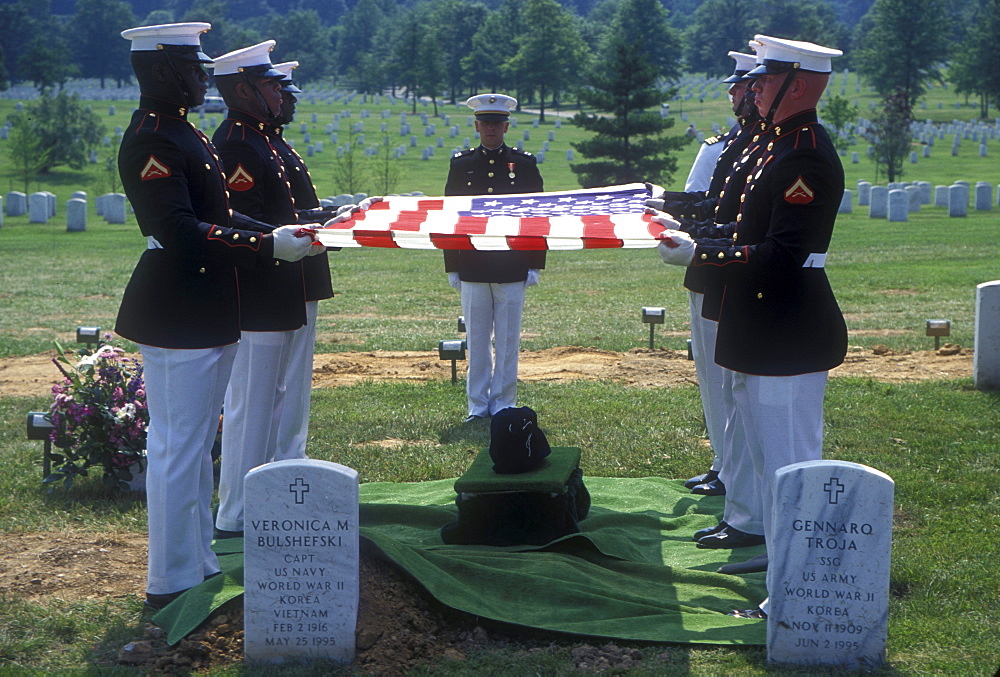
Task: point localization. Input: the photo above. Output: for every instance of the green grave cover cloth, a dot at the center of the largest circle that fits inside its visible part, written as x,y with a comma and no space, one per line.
633,573
549,478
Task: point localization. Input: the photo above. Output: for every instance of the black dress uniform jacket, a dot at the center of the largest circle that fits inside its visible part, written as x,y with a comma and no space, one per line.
502,171
778,315
713,202
272,298
183,295
316,269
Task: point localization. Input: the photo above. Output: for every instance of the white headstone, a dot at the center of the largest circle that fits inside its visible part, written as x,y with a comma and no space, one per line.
913,193
829,588
76,215
925,192
986,357
958,200
38,208
17,203
114,208
899,205
940,196
864,193
845,202
300,573
879,207
984,196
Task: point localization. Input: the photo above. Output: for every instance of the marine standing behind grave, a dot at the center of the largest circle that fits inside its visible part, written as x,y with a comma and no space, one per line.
704,187
780,328
293,426
272,298
181,304
492,284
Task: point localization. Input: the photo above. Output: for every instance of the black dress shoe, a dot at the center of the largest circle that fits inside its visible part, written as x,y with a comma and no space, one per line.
157,602
713,488
708,531
701,479
222,534
751,566
756,614
730,538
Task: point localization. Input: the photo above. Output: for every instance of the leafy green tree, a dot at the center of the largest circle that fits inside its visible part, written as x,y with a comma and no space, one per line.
840,114
547,52
47,62
629,144
64,129
23,22
973,68
27,154
385,169
4,75
484,64
457,22
721,26
890,135
645,22
420,62
350,170
810,20
301,36
358,30
900,45
100,22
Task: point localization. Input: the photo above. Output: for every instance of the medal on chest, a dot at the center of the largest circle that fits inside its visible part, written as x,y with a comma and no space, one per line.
510,169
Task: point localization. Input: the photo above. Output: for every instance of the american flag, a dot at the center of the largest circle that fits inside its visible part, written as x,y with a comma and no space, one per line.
593,218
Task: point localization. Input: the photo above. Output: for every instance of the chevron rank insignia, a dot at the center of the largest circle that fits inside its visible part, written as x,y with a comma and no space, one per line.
241,179
154,169
799,193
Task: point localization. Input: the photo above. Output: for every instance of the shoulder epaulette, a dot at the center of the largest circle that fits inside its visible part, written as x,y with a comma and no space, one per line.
712,140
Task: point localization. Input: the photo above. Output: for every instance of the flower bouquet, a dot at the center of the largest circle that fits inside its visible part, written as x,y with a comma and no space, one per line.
99,416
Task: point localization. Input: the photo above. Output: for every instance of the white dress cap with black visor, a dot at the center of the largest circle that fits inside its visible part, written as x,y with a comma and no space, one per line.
180,40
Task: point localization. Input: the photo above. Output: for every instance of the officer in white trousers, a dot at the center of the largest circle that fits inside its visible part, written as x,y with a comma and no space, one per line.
492,283
181,304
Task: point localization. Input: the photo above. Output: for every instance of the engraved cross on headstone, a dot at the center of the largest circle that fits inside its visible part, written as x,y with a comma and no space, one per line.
299,488
833,489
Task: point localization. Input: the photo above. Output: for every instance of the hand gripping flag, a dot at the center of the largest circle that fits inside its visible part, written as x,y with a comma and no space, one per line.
594,218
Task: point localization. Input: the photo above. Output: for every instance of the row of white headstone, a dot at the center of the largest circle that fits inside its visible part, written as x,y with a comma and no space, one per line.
897,200
41,206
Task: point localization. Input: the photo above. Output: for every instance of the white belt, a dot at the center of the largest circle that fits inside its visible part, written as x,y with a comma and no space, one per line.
151,243
815,260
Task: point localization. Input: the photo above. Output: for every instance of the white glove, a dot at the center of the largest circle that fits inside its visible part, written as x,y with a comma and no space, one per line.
664,219
368,202
676,248
532,279
656,192
316,248
656,204
289,245
343,214
455,281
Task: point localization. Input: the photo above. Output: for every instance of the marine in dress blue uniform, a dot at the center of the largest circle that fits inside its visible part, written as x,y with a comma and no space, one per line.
293,425
181,303
272,298
780,328
492,284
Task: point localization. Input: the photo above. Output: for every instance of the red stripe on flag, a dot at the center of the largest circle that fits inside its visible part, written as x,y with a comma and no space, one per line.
598,226
444,241
408,221
534,226
600,243
527,242
654,229
384,204
375,238
471,225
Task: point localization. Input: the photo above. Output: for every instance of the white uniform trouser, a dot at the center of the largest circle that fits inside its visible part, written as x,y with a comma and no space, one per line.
184,393
744,509
783,420
253,409
293,427
710,375
493,332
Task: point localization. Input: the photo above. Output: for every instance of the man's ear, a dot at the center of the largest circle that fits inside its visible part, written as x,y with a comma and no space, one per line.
797,89
242,91
159,71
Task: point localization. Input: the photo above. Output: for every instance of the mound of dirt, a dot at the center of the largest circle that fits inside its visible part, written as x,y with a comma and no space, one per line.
640,367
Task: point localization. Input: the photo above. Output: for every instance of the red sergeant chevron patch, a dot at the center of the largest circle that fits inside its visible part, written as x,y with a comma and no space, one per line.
241,179
154,169
799,193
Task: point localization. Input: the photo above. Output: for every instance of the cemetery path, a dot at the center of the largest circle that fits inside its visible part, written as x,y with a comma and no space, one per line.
640,367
